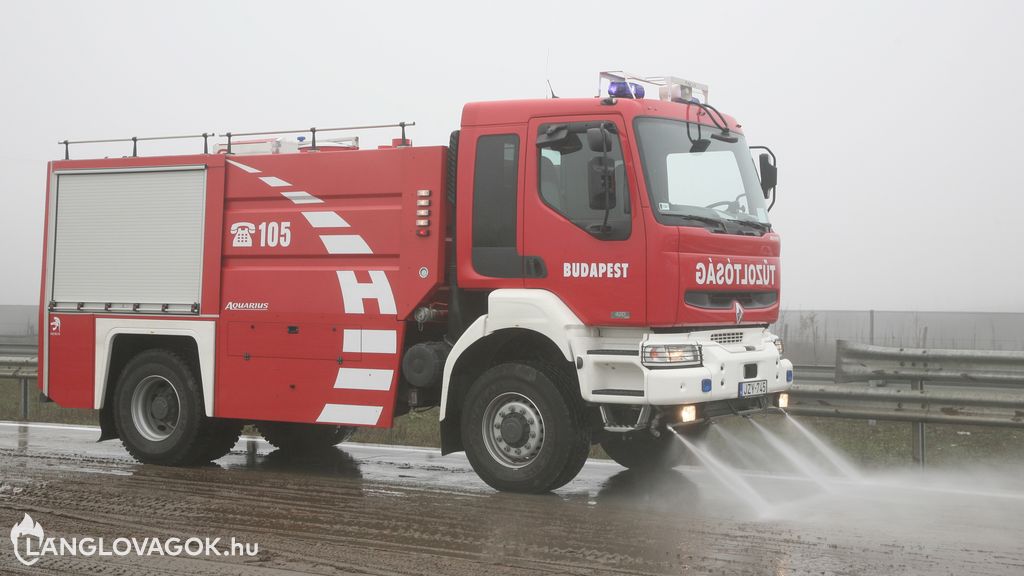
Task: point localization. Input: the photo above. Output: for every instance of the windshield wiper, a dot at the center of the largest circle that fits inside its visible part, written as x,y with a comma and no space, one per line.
754,223
696,218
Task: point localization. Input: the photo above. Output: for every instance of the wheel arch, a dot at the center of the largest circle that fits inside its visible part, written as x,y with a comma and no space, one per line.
119,340
480,352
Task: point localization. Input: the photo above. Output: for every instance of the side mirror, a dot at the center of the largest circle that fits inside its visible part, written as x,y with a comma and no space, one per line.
558,137
601,182
599,139
769,174
553,135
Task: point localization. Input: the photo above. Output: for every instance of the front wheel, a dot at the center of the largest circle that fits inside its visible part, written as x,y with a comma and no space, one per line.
523,428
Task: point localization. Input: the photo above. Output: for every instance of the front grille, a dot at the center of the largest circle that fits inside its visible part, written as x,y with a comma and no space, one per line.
727,337
724,300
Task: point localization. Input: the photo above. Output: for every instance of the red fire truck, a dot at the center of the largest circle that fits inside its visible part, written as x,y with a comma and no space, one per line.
565,272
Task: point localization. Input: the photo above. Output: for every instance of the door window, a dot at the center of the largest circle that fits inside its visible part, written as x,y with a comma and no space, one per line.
582,176
495,185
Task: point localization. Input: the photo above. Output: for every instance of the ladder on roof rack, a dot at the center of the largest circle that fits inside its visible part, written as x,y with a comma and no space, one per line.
313,132
135,142
229,135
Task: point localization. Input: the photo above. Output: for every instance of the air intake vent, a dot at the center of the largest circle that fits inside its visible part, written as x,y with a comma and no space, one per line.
727,337
725,300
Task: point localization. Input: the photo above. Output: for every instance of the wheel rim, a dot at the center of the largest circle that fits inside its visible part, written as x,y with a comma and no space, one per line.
155,408
513,429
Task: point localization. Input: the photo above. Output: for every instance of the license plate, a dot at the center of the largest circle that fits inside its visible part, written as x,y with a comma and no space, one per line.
753,388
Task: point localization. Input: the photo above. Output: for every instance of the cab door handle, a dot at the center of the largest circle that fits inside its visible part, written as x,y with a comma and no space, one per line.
535,267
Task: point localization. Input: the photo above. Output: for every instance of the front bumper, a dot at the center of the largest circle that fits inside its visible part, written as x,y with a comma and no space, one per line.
611,371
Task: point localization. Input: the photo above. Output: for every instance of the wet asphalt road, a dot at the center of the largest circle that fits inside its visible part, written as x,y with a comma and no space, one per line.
365,509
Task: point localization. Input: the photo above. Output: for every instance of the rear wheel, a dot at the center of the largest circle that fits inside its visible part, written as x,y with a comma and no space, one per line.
523,429
158,409
297,437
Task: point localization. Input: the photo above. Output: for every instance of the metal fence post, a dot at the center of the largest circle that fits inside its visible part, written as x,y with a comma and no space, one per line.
24,398
918,437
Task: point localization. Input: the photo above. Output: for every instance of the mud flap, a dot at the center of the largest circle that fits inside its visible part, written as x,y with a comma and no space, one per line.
108,429
451,435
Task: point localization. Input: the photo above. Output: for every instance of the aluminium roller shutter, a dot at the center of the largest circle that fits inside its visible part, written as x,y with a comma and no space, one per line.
129,236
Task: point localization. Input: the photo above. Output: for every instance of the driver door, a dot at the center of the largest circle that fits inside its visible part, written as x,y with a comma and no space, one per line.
586,237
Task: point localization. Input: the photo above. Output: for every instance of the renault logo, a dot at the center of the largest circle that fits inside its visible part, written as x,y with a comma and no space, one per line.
739,312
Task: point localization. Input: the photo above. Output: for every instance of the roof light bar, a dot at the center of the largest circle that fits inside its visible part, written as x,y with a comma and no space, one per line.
670,88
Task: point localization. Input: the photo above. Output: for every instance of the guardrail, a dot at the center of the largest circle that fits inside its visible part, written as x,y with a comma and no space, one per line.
19,359
19,345
968,387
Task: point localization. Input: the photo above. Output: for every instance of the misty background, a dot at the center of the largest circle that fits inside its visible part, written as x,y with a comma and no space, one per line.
895,123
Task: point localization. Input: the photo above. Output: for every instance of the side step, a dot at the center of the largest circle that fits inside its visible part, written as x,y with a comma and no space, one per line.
642,420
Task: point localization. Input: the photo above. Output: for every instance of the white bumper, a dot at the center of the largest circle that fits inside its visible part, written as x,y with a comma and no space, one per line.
611,372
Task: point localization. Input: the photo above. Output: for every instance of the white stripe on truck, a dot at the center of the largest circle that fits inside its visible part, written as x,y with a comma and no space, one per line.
300,197
325,220
370,341
274,181
364,379
345,244
350,414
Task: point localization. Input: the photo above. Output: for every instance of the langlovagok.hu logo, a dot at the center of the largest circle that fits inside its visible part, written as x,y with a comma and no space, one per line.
31,544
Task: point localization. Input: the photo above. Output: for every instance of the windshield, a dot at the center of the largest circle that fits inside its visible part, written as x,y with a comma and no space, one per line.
695,179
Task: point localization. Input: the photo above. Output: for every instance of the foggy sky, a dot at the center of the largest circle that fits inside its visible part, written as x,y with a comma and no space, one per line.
896,124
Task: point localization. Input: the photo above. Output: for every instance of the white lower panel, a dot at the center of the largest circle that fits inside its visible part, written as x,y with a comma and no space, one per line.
350,414
202,331
364,379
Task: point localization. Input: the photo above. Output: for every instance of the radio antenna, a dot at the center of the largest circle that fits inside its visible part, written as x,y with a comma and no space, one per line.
547,73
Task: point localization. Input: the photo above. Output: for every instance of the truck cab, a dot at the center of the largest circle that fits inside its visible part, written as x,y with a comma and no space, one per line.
625,244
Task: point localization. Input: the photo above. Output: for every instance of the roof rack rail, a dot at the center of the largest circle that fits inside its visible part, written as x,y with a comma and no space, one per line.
135,142
313,131
206,137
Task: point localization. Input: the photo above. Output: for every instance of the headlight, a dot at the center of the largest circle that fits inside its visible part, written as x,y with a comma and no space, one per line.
675,355
778,345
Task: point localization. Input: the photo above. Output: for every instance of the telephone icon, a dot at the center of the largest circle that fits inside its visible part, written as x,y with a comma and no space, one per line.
243,232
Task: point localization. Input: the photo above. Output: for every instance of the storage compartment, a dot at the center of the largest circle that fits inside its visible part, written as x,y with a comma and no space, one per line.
128,240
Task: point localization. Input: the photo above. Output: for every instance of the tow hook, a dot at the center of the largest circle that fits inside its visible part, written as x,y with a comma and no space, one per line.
655,423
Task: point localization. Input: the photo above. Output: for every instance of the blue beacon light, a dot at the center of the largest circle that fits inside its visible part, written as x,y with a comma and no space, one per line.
625,90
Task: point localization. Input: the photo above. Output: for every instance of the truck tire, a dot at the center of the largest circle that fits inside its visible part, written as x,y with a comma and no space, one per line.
641,450
158,409
523,429
223,436
297,437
